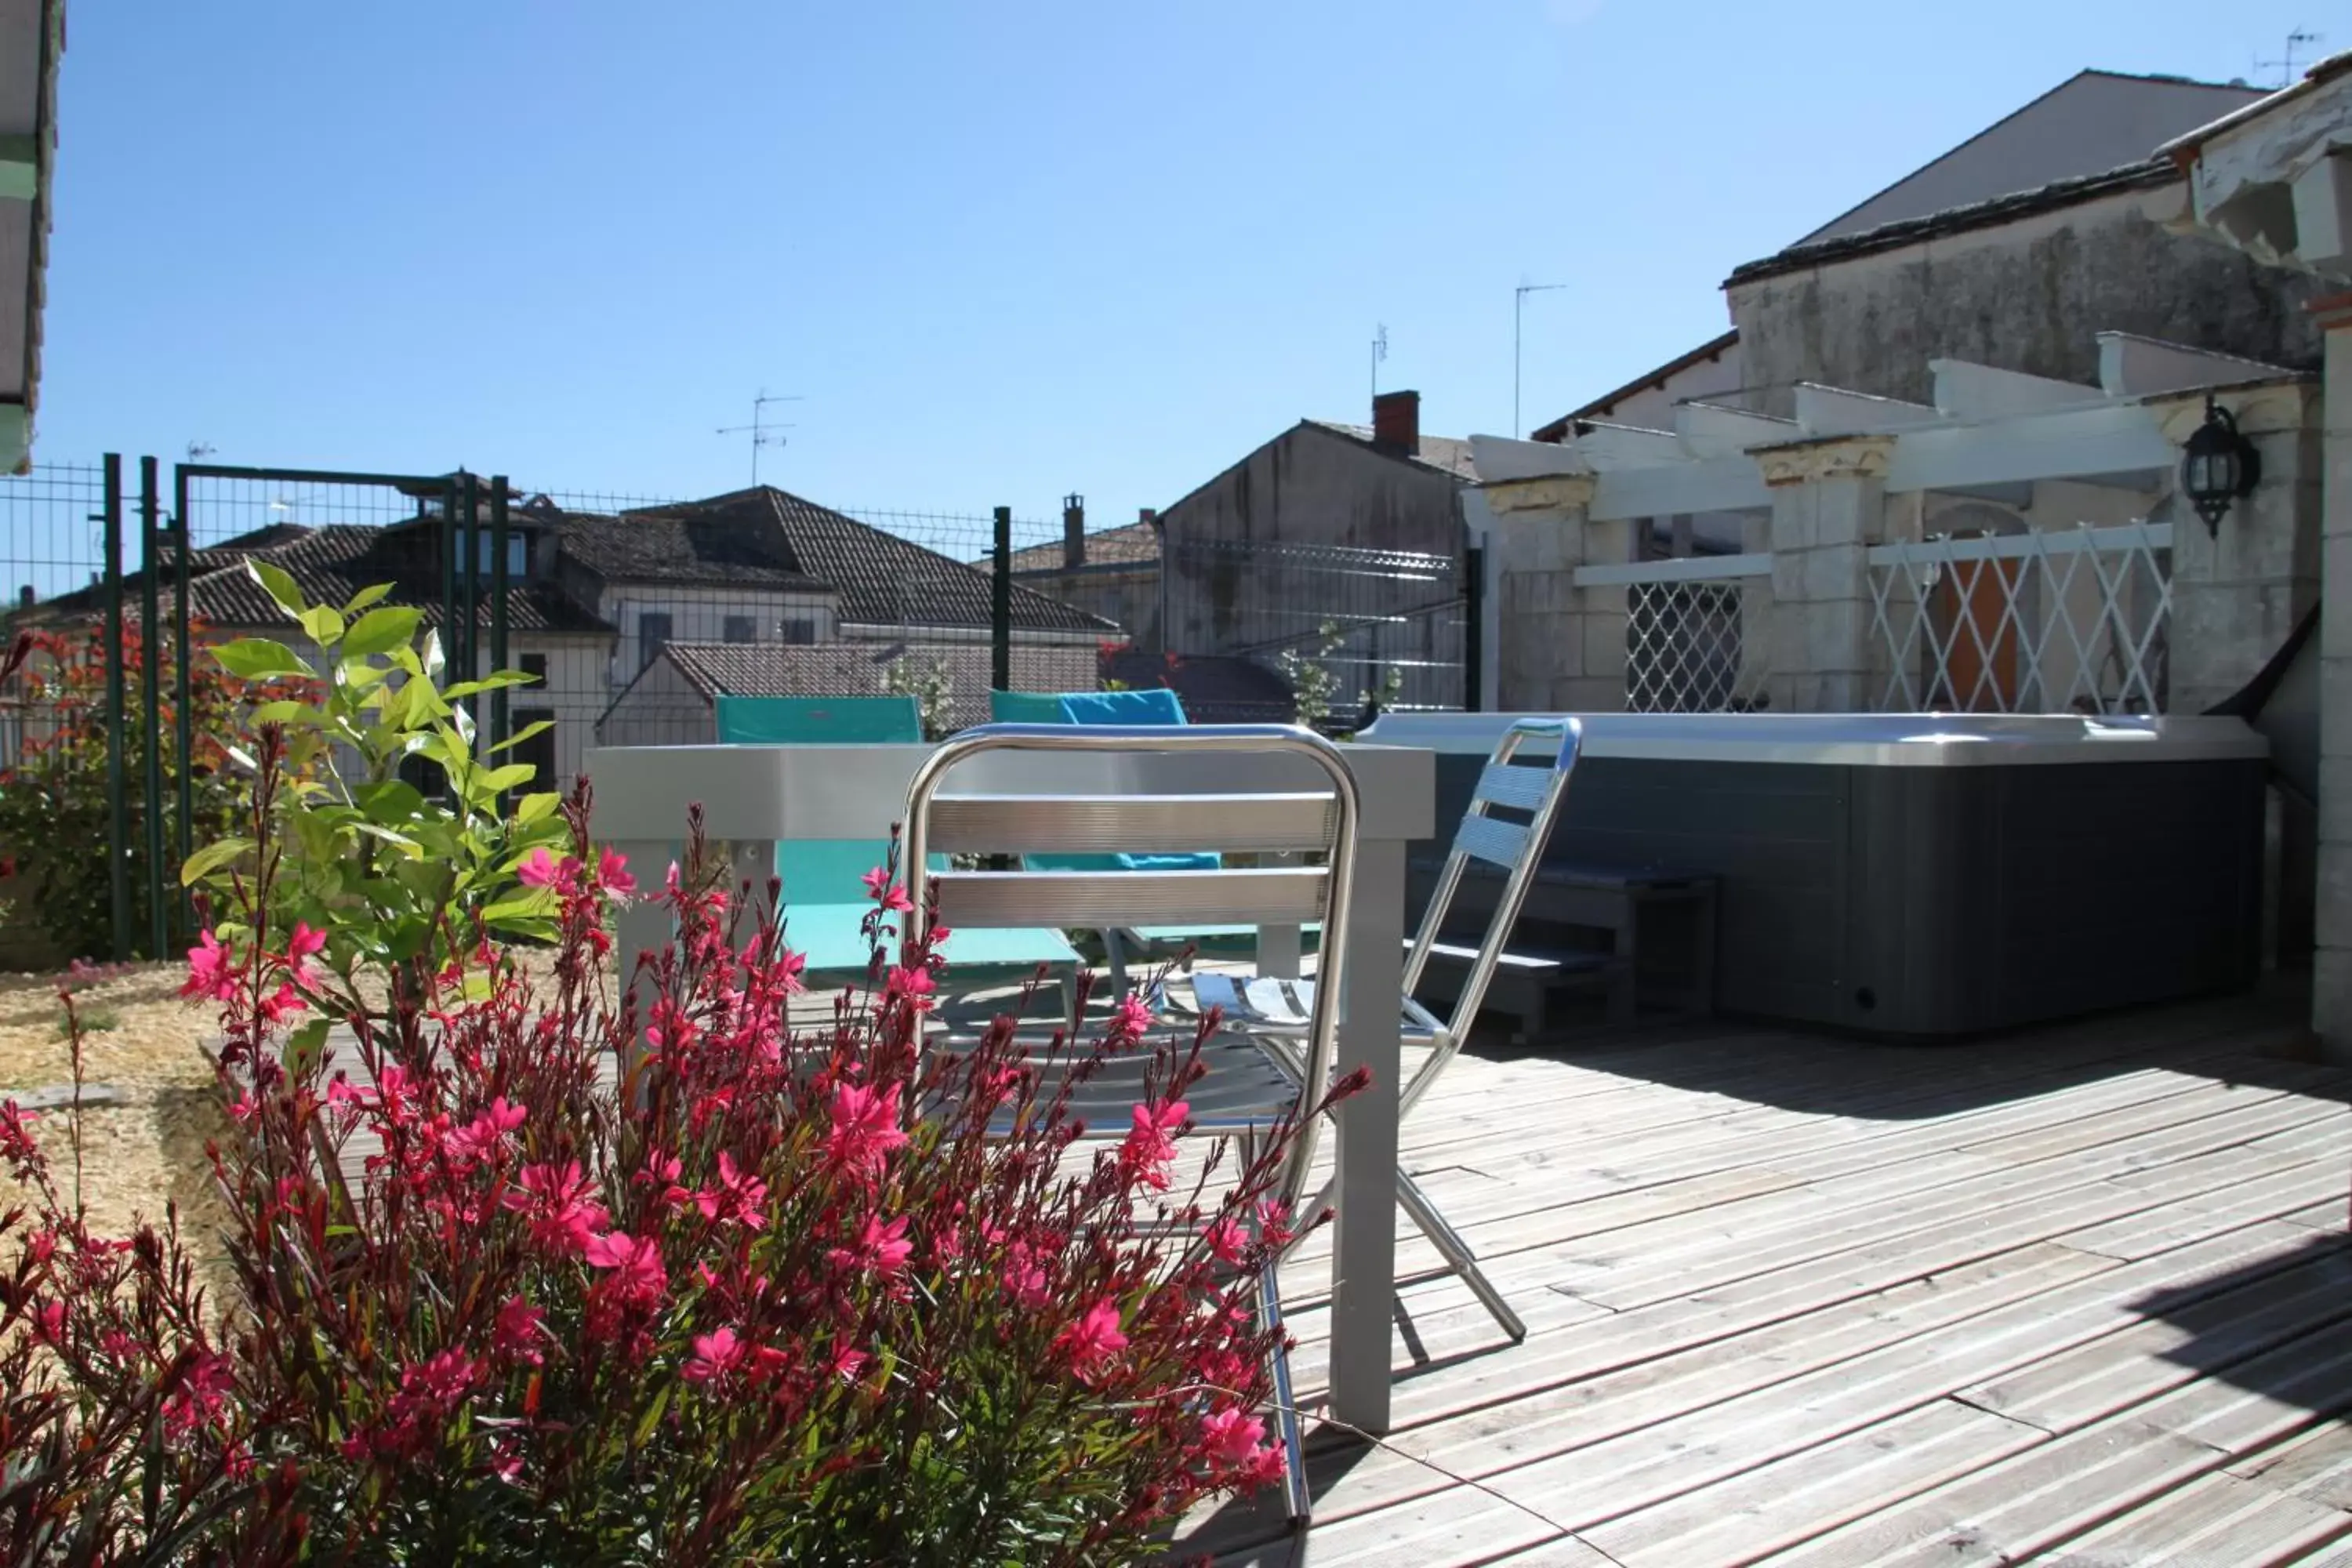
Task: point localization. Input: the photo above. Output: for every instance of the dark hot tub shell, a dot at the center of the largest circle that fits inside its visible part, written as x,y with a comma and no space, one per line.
1922,874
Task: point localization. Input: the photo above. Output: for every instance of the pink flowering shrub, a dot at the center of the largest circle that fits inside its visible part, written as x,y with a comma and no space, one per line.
611,1285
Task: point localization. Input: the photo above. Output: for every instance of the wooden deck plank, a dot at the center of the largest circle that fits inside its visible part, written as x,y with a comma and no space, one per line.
2074,1388
2316,1465
2218,1519
1791,1500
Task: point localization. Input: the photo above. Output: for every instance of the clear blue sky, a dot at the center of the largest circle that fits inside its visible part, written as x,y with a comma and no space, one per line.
1004,251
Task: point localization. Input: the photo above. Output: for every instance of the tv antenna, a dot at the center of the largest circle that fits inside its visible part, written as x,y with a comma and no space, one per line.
762,431
1380,353
199,450
2292,62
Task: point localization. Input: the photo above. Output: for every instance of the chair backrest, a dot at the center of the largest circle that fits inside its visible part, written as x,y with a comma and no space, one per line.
1025,707
1110,820
818,721
1530,791
1145,705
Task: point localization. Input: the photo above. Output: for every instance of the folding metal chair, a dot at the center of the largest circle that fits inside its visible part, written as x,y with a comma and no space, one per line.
1278,1009
1249,1085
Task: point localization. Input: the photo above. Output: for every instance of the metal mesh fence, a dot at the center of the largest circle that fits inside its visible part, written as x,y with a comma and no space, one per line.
1690,649
1315,629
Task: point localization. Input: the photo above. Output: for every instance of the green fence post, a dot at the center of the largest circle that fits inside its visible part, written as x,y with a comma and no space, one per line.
499,730
470,617
1473,629
449,547
999,614
183,720
118,820
151,715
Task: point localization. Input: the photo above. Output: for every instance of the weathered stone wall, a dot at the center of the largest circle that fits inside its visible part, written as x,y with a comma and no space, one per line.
2025,295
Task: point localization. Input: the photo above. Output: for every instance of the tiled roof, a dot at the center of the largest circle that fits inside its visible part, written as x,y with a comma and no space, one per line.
861,668
884,580
725,548
1443,453
1129,544
331,564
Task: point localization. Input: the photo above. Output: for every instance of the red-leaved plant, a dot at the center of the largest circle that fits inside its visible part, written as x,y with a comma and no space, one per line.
695,1286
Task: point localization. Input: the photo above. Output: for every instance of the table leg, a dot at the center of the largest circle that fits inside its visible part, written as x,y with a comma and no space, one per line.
1363,1246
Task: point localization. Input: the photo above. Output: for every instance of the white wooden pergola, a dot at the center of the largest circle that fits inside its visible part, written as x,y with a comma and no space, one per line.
2072,611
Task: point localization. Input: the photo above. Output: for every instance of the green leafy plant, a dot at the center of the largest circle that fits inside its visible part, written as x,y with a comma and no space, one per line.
371,865
1313,685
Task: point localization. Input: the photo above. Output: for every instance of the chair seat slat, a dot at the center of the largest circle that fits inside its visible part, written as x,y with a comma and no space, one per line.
1492,839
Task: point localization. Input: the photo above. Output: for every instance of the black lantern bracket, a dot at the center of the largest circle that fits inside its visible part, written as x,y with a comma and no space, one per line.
2218,466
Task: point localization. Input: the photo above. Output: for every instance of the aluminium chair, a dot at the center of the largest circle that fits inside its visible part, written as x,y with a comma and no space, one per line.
824,906
1278,1009
1249,1086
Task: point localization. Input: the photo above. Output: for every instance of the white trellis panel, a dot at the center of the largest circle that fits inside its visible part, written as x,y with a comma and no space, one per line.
2042,621
1698,631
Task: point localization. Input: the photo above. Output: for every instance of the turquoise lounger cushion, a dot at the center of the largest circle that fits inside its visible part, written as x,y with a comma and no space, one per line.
1154,705
1025,707
818,721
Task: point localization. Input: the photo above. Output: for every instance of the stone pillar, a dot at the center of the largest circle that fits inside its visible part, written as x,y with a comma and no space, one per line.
1829,504
2331,998
1560,649
2237,593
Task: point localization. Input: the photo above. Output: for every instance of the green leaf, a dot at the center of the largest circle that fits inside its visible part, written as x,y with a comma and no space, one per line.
498,780
432,658
532,903
534,808
303,1047
279,585
281,712
258,658
381,631
363,598
211,858
497,681
325,626
394,800
520,736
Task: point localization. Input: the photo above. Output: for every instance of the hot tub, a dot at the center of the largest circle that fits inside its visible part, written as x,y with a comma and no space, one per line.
1917,875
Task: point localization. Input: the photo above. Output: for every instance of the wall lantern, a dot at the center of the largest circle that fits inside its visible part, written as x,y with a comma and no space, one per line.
2218,466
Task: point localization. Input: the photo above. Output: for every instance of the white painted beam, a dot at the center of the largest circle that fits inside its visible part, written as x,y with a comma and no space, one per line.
1499,458
1834,411
2133,366
1711,430
2107,439
1712,484
1969,391
1610,447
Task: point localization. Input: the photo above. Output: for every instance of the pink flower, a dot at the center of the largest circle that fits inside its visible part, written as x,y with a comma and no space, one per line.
716,1354
845,1363
737,1198
562,1216
202,1396
303,946
1024,1278
538,870
612,875
280,1003
1273,1223
882,1248
1228,1438
865,1130
915,985
209,971
1226,1239
1131,1018
637,1276
488,1134
1147,1150
884,891
789,967
1093,1339
1263,1467
519,1332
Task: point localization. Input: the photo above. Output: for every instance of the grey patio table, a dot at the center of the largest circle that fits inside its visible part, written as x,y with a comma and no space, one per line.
754,795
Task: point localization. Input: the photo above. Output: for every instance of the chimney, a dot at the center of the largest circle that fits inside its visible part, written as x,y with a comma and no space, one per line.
1396,422
1149,515
25,597
1074,532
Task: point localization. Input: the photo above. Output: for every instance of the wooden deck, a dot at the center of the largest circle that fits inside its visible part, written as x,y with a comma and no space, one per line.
2082,1297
